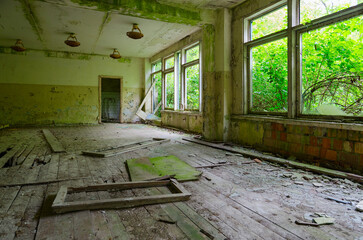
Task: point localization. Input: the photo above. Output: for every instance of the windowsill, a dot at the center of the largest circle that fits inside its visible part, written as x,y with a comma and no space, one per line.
182,112
301,121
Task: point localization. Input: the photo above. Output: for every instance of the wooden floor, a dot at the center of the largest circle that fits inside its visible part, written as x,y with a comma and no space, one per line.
242,201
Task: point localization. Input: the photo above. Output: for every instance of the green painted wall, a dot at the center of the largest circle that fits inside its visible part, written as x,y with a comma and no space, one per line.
62,88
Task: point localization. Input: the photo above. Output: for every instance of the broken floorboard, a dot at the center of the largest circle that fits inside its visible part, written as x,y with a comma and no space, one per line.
54,144
113,151
304,166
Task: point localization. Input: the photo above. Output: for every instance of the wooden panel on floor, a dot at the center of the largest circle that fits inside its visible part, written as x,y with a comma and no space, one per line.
54,144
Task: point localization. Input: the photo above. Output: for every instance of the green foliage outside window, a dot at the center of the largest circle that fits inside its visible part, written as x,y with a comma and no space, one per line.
192,87
332,66
192,54
269,77
269,23
169,82
157,91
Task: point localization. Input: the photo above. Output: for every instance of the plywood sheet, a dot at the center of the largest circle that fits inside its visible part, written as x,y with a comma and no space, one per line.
141,169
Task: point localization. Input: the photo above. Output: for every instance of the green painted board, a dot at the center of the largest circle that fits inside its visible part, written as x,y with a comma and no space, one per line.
147,168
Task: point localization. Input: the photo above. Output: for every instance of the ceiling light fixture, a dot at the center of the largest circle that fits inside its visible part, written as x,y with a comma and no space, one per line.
115,54
133,34
72,41
19,47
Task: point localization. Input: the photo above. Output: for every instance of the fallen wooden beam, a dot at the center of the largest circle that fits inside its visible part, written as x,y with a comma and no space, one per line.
304,166
40,182
217,165
53,142
125,149
61,206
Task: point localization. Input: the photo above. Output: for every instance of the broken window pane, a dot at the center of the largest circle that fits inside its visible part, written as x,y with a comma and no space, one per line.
192,87
269,77
169,63
169,86
157,94
192,54
312,9
269,23
156,66
332,69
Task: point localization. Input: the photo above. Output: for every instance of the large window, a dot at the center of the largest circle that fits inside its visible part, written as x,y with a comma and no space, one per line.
157,90
180,78
191,79
308,65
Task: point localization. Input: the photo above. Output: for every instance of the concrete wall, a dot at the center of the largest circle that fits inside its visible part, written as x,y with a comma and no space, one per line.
192,122
334,145
39,87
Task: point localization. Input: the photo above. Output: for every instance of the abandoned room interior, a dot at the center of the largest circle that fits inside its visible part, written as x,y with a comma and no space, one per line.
181,119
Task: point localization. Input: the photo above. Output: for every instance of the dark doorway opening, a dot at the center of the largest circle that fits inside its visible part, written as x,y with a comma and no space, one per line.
110,99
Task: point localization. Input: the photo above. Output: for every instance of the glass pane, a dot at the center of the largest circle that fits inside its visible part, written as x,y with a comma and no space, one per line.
157,93
192,54
169,63
269,77
269,23
332,69
312,9
169,85
192,87
156,66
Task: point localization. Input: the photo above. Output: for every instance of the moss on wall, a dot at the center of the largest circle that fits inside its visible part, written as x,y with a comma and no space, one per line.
150,9
185,121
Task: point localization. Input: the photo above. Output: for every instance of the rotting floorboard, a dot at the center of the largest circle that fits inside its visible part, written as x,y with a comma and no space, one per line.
241,201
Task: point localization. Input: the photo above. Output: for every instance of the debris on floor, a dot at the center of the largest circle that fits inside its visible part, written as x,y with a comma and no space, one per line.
359,206
141,169
114,151
178,193
338,200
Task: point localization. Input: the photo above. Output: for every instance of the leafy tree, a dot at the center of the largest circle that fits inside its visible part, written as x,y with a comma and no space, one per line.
332,68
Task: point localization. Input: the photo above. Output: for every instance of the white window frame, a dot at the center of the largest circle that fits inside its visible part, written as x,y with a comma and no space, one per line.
293,34
153,104
185,65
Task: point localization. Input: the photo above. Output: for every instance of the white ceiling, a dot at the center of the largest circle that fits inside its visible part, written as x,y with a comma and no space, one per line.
56,21
98,31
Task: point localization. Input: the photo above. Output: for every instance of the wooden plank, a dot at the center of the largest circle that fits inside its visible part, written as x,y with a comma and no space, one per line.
114,153
60,206
120,186
139,112
10,154
25,154
55,145
39,182
304,166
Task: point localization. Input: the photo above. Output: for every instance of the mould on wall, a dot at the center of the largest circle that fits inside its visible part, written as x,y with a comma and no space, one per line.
149,9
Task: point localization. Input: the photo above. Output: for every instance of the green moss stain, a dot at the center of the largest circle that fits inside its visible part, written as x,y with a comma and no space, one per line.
208,47
150,9
124,60
144,168
32,18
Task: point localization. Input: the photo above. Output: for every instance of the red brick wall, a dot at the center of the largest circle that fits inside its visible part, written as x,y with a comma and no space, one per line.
327,147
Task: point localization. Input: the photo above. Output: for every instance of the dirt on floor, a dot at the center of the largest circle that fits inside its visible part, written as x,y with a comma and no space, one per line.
246,200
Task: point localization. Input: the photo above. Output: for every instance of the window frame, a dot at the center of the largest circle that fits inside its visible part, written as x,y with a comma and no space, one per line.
166,71
184,66
293,32
153,104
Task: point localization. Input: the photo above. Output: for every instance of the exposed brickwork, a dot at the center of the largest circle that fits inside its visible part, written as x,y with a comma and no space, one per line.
333,148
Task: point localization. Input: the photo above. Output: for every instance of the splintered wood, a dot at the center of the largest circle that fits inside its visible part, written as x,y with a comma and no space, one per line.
61,206
113,151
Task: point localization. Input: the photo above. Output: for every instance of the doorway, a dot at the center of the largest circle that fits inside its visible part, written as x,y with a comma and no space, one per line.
110,99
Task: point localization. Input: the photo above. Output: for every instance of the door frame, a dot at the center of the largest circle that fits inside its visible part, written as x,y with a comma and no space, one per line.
100,77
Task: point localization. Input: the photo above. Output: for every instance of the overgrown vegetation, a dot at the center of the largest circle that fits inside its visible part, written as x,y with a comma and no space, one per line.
332,66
